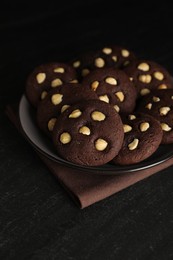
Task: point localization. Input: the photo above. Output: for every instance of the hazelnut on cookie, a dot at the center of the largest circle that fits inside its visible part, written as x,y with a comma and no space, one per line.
147,75
46,77
88,133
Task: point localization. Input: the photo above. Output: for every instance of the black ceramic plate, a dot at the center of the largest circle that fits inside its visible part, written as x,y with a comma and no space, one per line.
44,145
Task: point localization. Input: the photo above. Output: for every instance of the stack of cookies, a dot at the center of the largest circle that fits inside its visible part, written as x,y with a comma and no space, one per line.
105,106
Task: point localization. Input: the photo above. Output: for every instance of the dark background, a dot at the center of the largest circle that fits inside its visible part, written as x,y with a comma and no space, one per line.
38,219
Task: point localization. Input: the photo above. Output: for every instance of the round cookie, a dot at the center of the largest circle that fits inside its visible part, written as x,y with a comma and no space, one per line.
142,137
45,77
159,104
148,75
57,101
88,133
113,86
107,56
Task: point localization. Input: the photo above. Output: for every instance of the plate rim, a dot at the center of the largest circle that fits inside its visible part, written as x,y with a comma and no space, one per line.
99,170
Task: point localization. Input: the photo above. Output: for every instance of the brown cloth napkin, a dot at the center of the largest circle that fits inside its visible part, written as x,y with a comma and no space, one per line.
84,188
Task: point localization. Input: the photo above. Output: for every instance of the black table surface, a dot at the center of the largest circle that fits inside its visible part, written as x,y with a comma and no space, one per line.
38,220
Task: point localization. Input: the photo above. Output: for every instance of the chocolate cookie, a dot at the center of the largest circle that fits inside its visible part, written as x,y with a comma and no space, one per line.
107,56
148,75
45,77
114,87
159,104
142,137
57,101
88,133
